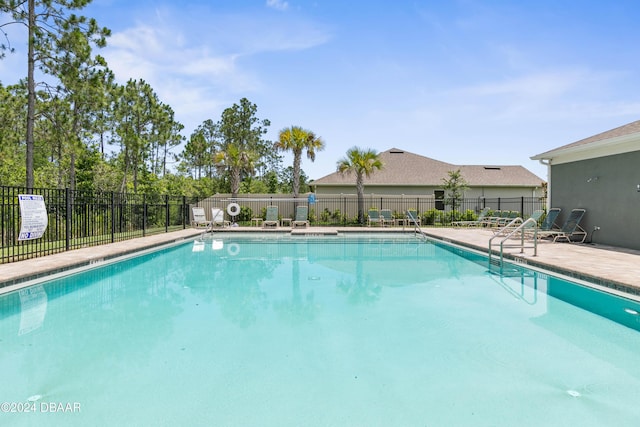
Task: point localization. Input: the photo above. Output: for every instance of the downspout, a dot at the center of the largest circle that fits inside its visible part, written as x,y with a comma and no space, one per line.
547,163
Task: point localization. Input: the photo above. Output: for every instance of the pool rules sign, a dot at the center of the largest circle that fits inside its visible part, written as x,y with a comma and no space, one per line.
34,216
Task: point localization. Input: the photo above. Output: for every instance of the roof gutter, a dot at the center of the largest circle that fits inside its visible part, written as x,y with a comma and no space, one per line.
547,163
595,145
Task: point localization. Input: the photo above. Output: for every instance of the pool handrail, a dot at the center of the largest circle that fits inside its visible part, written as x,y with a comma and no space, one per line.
416,227
529,224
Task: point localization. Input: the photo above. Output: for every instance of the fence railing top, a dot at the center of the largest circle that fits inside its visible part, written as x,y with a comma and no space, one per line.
265,199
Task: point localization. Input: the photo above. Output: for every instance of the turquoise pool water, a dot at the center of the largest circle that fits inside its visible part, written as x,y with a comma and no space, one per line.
344,331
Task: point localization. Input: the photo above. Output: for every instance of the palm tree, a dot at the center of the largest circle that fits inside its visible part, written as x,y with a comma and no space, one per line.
296,140
236,162
363,163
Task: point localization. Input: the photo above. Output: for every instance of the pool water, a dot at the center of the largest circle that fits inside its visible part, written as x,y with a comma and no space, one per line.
342,331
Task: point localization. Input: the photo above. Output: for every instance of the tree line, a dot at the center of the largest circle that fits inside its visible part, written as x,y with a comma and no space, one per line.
69,124
77,128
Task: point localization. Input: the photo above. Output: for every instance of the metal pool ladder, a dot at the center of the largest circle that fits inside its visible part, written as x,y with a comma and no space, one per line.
416,227
508,231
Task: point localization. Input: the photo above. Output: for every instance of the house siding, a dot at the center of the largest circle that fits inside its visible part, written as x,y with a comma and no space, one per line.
493,192
607,187
472,192
412,174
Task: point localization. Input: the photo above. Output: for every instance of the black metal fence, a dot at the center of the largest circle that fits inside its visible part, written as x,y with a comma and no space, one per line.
79,219
342,209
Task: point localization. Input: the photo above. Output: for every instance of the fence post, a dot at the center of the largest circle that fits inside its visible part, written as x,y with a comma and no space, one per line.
522,206
453,208
166,213
344,210
183,210
67,202
113,217
144,215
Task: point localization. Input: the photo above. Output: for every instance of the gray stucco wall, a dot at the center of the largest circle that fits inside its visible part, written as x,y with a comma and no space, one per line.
607,188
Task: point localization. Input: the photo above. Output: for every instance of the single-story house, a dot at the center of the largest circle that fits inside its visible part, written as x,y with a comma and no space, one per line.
412,174
600,174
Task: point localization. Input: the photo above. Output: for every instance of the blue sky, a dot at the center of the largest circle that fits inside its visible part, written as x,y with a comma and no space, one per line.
465,82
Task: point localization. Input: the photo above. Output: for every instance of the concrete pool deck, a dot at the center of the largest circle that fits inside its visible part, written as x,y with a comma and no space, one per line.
617,269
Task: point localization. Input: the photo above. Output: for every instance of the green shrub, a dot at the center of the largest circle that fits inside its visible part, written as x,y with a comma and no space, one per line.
453,216
324,215
246,213
435,217
469,215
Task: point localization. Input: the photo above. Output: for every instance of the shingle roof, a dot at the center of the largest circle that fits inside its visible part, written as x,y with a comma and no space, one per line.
624,130
403,168
499,176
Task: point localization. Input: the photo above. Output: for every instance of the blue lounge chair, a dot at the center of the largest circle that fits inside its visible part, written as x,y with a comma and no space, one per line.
374,218
480,221
493,219
412,217
386,216
570,228
271,218
549,222
302,213
514,223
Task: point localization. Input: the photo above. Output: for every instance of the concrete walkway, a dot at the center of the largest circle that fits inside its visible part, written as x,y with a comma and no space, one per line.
614,268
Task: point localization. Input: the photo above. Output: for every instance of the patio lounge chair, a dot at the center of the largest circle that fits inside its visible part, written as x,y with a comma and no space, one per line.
200,218
506,218
271,219
549,222
386,216
482,218
570,228
492,219
374,217
302,213
412,217
536,215
217,218
517,222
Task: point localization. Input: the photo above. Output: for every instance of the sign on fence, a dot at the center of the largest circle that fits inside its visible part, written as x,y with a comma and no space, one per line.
34,216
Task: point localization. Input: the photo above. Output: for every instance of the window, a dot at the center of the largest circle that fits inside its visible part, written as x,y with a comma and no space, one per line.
439,196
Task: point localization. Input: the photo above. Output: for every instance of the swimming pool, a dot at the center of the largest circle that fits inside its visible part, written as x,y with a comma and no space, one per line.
346,330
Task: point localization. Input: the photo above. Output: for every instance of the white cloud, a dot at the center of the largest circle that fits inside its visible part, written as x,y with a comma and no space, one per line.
186,75
278,4
532,86
199,64
552,95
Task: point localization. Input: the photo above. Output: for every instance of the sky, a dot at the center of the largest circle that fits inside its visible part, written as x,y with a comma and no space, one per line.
468,82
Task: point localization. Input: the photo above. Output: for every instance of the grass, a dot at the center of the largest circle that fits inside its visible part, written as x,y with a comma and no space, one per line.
34,248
